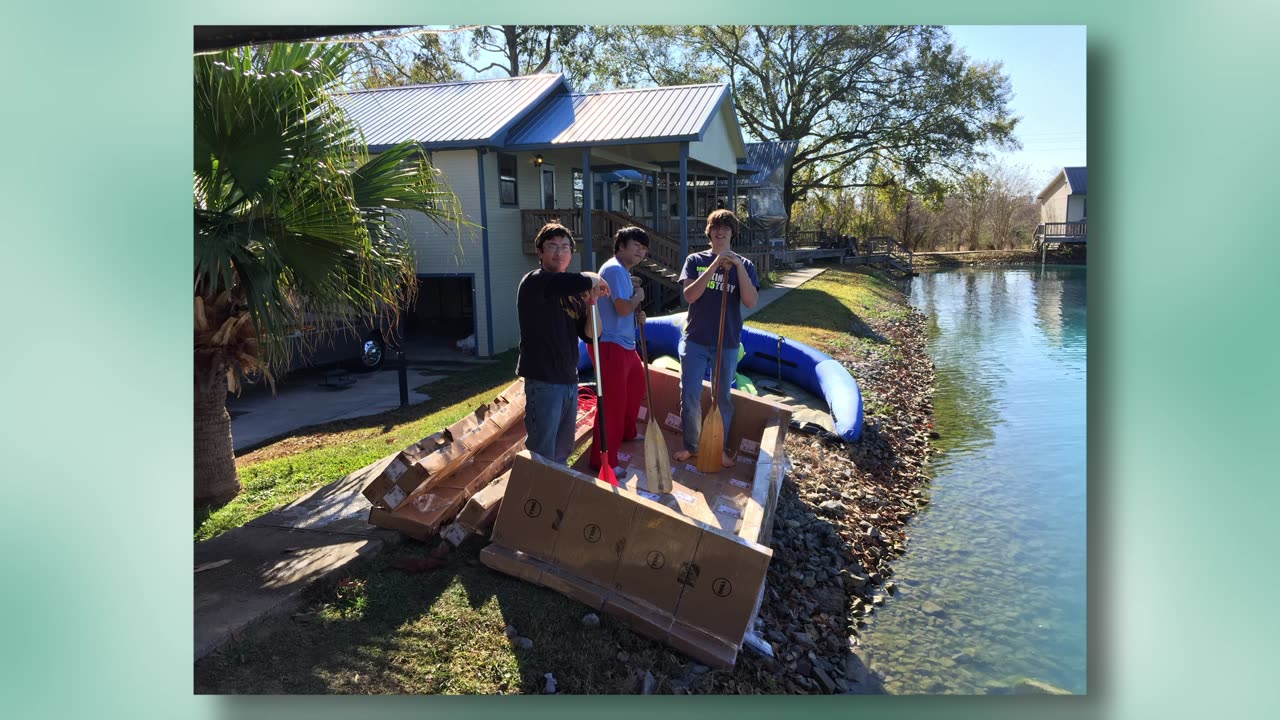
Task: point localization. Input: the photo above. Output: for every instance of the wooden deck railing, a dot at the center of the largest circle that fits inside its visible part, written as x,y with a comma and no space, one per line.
1062,231
890,251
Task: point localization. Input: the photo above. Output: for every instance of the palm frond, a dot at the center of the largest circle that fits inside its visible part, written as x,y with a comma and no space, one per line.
294,222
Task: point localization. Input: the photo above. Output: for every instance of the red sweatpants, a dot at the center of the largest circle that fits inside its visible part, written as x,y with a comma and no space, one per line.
623,384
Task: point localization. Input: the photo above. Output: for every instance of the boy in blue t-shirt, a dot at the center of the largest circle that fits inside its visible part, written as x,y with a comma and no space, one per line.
623,375
705,276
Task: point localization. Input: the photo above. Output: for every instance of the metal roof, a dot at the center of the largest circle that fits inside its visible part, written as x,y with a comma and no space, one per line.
1076,181
1076,178
458,114
765,158
660,114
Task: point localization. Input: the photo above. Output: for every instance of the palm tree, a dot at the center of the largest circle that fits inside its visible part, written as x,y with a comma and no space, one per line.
294,222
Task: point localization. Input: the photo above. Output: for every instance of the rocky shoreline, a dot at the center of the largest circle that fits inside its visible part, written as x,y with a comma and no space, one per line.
840,521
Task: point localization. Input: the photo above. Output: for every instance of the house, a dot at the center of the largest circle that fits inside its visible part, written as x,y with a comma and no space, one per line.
1062,208
519,152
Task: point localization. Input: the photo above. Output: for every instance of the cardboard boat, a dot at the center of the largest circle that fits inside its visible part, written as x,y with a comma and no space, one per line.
686,568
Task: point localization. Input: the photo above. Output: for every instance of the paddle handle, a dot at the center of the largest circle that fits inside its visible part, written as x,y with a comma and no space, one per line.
604,449
724,303
644,355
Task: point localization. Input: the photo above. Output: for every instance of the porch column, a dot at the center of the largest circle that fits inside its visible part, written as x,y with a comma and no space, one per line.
684,200
654,223
588,190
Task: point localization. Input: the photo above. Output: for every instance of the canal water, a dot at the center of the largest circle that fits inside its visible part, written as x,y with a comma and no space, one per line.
991,589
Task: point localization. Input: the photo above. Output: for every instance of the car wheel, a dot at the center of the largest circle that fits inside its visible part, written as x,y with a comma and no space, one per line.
373,352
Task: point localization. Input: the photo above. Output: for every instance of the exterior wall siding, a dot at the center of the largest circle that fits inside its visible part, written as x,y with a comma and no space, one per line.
1054,208
440,250
716,149
507,261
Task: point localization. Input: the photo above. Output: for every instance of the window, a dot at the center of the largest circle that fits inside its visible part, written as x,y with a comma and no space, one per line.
507,180
597,194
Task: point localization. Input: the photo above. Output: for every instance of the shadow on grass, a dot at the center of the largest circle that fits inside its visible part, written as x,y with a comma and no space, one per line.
441,631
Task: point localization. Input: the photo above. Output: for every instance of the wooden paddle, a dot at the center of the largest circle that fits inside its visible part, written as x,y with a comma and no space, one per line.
711,444
606,467
657,466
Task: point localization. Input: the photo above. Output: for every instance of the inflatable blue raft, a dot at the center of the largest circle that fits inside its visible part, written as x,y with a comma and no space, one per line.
771,355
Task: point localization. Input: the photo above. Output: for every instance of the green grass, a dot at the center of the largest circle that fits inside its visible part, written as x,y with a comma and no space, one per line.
441,632
385,631
830,311
329,452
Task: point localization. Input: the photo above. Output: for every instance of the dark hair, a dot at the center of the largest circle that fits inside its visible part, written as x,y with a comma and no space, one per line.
553,230
630,232
725,218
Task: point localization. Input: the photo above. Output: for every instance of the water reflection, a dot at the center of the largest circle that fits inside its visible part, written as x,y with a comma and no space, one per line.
993,581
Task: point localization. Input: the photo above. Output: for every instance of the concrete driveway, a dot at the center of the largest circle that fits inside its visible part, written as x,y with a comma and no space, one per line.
311,397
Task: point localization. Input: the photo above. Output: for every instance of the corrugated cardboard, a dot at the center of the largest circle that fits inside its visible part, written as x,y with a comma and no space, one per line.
641,617
672,566
720,593
703,647
593,534
428,445
482,508
534,505
570,585
478,515
512,562
424,512
391,487
486,464
659,543
387,519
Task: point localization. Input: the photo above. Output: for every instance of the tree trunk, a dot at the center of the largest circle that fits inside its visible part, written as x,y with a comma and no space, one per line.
216,480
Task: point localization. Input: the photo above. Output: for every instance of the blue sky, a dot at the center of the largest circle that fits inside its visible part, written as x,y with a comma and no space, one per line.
1046,68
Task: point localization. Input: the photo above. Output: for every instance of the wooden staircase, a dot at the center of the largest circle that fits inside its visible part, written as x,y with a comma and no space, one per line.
887,253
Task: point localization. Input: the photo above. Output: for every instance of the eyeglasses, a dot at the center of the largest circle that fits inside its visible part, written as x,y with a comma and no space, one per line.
557,249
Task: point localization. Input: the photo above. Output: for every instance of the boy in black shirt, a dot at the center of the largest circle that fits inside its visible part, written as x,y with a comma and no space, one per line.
554,306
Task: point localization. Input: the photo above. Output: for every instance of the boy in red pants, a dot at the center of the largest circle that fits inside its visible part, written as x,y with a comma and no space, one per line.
623,376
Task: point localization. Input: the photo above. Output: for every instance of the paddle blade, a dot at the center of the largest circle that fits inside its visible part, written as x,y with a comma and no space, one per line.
711,444
606,473
657,466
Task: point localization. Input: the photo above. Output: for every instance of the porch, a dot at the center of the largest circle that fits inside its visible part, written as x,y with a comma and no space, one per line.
1061,233
660,271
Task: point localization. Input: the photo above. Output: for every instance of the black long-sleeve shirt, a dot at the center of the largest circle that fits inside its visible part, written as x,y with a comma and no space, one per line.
552,318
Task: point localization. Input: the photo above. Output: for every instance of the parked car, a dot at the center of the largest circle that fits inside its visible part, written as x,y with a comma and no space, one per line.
363,350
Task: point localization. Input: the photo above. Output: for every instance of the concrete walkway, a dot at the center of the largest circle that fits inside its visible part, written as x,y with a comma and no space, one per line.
785,284
262,569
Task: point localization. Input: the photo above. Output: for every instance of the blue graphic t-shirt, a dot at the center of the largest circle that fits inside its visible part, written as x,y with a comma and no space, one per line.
615,328
703,321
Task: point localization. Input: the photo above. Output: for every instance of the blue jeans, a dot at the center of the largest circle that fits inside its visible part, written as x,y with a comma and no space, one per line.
550,413
694,361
